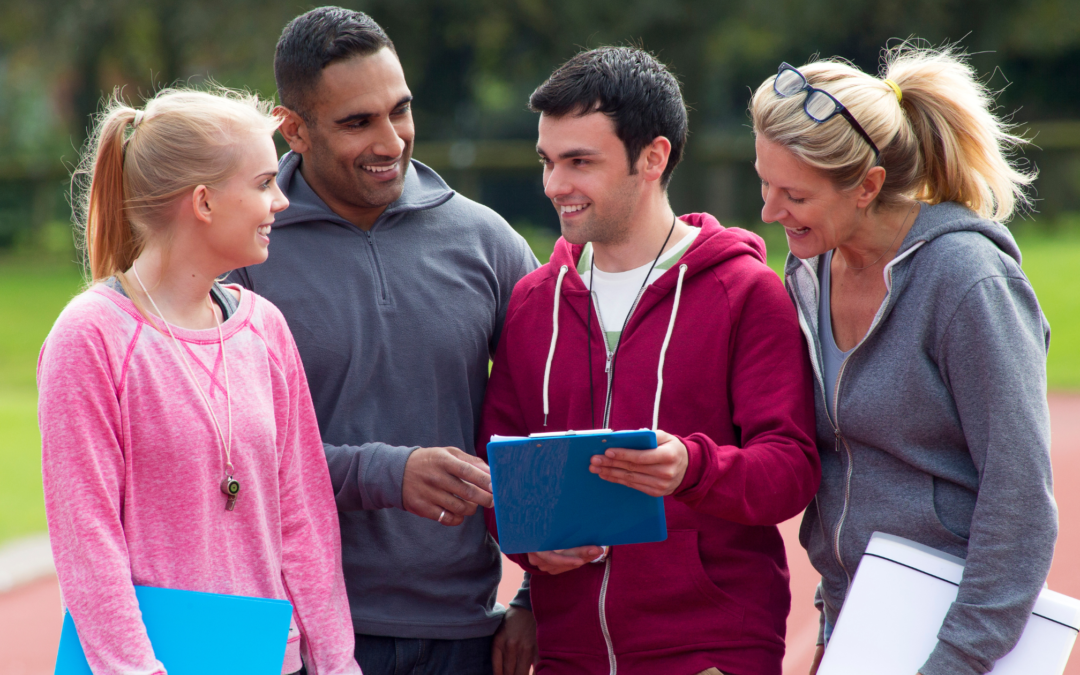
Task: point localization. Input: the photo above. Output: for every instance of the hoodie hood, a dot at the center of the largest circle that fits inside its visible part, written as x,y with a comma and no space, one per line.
934,223
424,189
714,244
937,220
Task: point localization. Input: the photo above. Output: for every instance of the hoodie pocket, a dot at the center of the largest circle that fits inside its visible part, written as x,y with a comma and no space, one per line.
938,529
664,587
567,611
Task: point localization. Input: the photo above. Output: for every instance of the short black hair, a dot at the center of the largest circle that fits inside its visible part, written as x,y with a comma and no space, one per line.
629,85
314,40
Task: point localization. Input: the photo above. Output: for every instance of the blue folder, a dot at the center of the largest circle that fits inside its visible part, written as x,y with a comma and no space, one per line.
546,498
197,633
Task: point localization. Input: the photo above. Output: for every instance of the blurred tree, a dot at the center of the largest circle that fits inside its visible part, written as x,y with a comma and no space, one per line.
473,63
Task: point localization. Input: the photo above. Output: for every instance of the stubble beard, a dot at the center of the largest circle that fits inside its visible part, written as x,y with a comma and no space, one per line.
609,228
351,184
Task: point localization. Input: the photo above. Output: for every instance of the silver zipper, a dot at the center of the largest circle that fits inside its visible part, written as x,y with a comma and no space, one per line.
613,666
610,357
380,278
612,663
850,467
836,411
611,354
834,419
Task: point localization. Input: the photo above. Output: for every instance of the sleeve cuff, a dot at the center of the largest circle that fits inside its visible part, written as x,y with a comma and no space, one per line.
948,660
383,474
695,464
523,600
819,603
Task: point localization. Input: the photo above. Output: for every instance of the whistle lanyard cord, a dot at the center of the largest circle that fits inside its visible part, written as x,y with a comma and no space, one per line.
626,321
224,364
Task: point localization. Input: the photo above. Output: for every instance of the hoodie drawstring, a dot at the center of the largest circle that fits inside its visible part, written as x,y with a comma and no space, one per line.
554,337
663,349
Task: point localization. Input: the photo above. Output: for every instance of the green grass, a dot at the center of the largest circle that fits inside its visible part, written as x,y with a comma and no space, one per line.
33,293
1052,264
31,296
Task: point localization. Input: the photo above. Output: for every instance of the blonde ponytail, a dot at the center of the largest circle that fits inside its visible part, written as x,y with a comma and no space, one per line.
965,148
939,139
138,163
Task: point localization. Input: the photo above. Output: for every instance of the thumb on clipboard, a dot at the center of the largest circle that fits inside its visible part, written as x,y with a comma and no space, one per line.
657,472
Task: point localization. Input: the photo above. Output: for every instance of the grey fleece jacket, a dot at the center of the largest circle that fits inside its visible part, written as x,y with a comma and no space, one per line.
395,327
941,432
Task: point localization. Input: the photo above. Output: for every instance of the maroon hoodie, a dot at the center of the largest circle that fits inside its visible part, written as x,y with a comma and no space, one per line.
737,391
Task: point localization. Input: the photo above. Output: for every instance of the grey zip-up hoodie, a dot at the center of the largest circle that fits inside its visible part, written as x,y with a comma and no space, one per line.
941,432
395,327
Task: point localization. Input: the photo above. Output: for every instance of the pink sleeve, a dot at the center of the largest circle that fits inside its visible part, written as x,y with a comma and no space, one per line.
83,468
310,535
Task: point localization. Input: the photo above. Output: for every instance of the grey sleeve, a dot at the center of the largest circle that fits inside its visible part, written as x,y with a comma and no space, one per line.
368,476
993,356
522,599
819,602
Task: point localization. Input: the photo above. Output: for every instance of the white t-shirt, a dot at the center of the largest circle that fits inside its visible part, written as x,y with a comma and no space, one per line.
616,292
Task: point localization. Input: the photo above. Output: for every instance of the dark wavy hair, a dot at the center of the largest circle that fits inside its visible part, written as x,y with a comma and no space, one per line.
630,86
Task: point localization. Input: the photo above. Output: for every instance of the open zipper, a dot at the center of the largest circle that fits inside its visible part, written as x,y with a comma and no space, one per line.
609,369
834,417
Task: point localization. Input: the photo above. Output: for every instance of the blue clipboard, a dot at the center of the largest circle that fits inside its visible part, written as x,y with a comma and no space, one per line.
196,633
546,498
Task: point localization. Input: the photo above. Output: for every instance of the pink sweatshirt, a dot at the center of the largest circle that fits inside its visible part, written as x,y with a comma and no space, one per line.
132,468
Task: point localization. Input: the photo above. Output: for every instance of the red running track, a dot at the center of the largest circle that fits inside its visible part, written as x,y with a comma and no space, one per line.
30,616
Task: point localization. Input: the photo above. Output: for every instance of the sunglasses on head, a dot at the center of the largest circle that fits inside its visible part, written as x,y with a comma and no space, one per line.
819,105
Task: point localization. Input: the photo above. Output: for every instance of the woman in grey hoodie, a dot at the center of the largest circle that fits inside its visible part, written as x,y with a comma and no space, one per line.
927,340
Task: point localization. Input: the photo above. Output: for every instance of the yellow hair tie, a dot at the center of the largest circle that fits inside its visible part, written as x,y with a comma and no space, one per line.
895,88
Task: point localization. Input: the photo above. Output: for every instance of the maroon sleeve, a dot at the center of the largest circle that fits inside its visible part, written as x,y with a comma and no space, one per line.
776,472
501,414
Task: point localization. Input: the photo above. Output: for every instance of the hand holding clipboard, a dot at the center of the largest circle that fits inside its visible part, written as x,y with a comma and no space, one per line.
658,472
547,499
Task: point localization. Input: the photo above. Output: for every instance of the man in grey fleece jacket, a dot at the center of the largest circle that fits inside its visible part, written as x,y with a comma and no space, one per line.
941,431
395,289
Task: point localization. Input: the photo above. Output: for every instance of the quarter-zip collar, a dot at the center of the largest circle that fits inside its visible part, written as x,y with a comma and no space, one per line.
424,189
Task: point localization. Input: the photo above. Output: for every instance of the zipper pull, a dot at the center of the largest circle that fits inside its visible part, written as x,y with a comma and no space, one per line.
839,437
607,367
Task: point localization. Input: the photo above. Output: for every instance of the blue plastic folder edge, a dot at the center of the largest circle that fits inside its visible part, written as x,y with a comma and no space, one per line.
546,498
195,633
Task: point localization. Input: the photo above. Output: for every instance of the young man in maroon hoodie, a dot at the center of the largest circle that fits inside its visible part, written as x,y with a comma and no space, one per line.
688,333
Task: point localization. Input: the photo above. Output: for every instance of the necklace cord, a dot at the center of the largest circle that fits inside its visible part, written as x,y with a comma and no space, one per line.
626,321
588,348
191,372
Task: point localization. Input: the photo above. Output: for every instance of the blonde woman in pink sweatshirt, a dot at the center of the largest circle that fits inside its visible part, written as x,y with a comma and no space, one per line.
180,446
